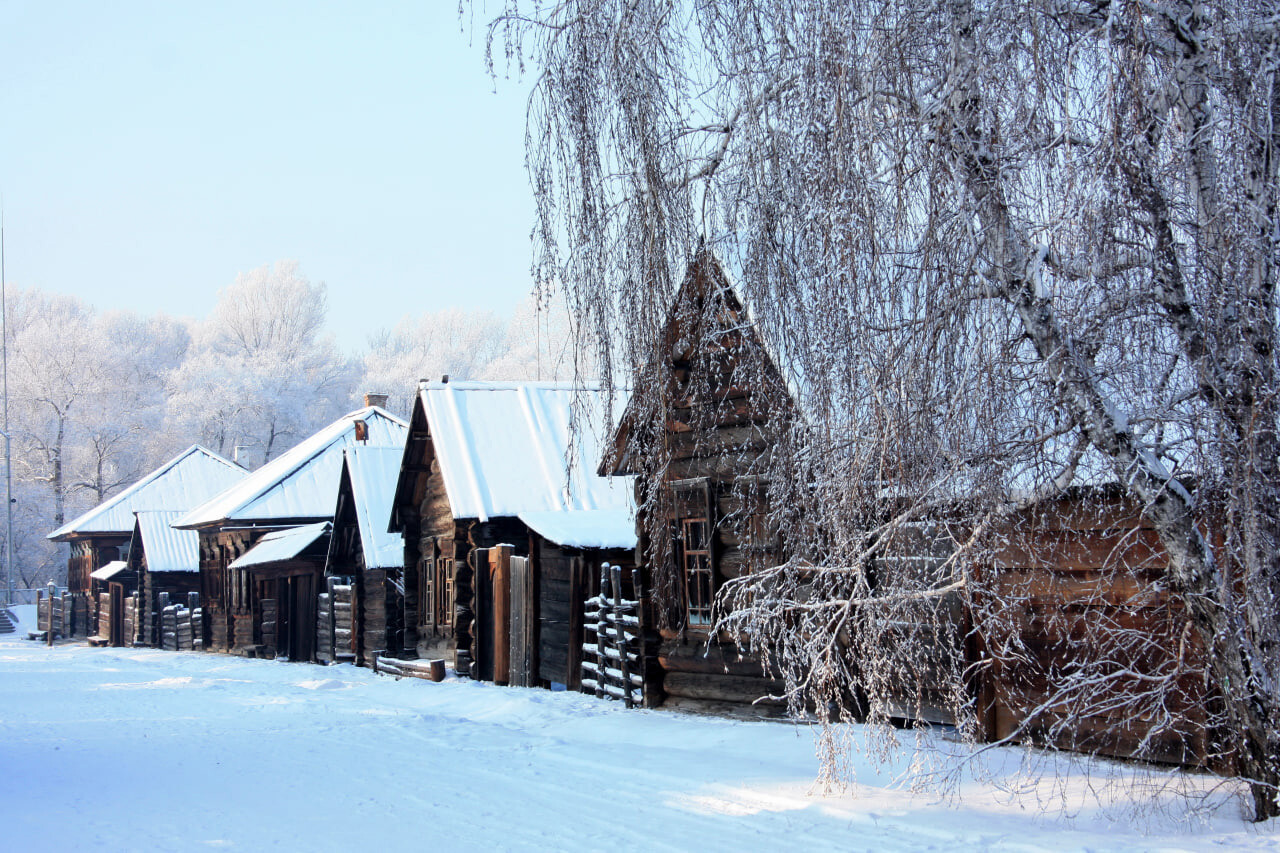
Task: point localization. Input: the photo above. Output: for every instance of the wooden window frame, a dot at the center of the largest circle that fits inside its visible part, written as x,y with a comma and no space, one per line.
444,571
697,570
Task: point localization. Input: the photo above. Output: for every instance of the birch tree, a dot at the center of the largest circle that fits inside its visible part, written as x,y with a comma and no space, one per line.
1005,252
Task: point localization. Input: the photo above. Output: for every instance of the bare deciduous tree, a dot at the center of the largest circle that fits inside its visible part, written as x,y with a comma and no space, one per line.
1008,254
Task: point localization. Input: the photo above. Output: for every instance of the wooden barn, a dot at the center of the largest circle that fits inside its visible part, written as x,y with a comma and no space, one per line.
102,535
246,601
481,455
365,564
696,449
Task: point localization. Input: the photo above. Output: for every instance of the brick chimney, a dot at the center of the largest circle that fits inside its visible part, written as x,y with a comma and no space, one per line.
379,400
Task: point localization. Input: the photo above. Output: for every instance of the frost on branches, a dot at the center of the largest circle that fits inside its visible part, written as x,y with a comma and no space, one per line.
1017,261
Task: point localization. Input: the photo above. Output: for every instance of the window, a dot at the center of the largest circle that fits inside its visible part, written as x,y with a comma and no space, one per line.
695,558
426,593
444,590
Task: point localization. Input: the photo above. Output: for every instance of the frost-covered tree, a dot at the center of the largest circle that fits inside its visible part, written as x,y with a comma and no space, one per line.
86,402
262,373
1004,251
449,342
538,344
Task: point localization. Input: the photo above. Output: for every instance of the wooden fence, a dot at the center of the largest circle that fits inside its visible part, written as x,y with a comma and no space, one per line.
613,654
67,612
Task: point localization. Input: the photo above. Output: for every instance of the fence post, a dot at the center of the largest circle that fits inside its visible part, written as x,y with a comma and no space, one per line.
53,589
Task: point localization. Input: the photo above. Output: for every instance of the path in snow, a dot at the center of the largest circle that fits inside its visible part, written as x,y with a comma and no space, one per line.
142,749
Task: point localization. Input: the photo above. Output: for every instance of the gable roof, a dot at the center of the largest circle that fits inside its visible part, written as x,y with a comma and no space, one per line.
167,549
185,481
373,472
508,447
303,482
706,307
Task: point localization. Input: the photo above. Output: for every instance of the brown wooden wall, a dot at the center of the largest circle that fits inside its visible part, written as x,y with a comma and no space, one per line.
1078,587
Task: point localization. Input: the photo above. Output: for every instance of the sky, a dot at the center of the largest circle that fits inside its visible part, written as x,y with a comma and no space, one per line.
150,151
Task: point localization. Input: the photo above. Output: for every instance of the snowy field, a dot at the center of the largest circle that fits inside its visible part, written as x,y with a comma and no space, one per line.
112,749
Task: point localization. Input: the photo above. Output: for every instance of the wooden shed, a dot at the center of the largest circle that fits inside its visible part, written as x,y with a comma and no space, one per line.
103,534
696,443
285,569
297,489
479,455
365,592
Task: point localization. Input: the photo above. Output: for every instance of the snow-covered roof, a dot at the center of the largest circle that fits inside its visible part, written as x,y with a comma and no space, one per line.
167,548
188,480
281,545
302,483
585,528
504,448
374,472
109,571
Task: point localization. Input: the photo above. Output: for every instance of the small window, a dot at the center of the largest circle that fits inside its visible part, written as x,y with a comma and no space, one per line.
444,591
695,556
426,594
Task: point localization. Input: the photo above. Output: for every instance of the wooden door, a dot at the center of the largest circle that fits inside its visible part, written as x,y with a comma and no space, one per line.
117,614
524,624
302,617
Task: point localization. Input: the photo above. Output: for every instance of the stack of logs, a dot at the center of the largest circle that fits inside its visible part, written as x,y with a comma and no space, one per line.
179,623
334,627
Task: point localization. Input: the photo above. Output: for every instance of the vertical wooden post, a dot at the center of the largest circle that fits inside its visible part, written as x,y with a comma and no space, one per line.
624,663
577,601
53,591
500,571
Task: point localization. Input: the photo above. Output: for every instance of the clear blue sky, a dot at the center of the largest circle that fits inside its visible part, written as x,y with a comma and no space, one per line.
149,151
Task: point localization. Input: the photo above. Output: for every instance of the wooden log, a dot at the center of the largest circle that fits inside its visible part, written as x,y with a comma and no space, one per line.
720,688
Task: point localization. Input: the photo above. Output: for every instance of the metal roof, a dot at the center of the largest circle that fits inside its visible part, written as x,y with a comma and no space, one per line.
585,528
188,480
281,545
167,549
303,482
374,472
505,448
109,571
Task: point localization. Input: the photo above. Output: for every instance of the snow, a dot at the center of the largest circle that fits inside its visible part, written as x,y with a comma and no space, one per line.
374,472
503,448
109,571
190,478
585,528
168,549
281,545
303,482
144,749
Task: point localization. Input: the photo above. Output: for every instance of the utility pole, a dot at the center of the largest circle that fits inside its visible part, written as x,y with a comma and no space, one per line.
8,447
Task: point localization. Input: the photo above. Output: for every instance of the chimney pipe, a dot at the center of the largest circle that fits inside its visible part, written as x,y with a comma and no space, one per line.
444,380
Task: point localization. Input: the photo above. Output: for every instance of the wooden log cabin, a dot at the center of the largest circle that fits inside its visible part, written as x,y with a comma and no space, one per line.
365,556
166,561
285,570
695,442
482,456
296,489
103,534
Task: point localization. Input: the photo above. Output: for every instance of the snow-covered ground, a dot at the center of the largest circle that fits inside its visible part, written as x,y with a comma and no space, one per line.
139,749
